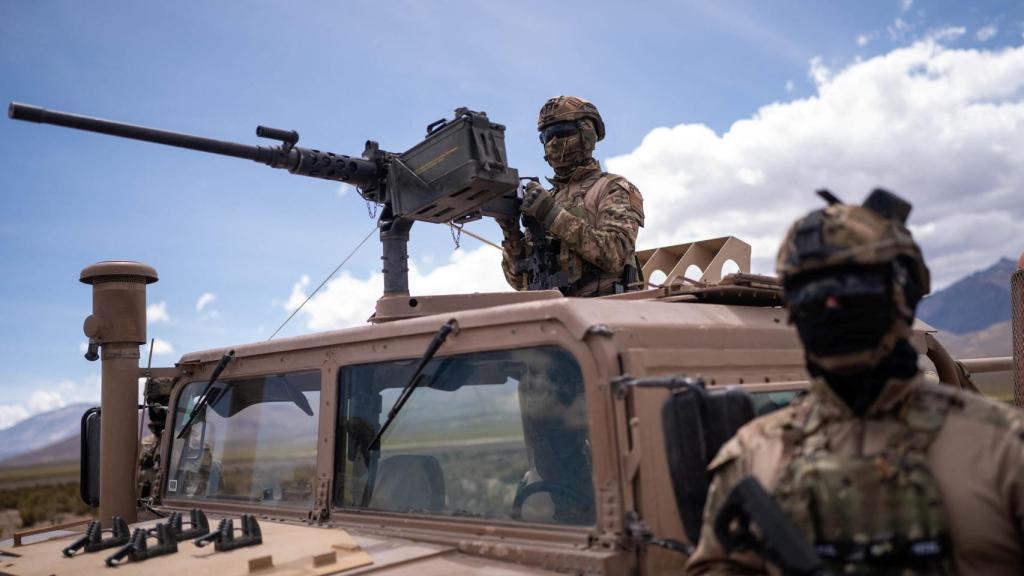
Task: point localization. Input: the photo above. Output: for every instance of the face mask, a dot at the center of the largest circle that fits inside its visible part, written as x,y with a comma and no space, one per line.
568,144
564,152
843,313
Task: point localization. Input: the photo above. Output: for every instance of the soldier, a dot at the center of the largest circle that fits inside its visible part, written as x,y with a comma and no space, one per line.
592,215
149,451
884,473
554,411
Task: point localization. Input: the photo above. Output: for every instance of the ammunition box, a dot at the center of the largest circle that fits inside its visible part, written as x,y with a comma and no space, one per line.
460,166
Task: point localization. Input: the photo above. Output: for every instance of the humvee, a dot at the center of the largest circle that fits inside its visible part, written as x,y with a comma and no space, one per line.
509,433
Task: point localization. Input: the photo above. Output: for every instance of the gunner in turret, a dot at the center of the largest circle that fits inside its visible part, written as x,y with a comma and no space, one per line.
592,216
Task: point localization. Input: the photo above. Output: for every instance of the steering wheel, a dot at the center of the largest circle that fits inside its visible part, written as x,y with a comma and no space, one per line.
578,498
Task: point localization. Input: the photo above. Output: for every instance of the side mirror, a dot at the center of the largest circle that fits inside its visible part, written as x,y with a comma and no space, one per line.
696,423
89,467
684,420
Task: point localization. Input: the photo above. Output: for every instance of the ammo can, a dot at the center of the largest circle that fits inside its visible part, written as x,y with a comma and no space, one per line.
460,166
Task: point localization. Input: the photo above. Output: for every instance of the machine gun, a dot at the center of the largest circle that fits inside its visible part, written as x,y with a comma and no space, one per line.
541,265
457,173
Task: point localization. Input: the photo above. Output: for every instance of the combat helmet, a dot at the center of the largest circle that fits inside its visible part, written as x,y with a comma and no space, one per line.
570,108
850,247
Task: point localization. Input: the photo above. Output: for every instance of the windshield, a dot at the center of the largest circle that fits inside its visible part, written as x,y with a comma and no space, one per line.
500,435
255,443
767,402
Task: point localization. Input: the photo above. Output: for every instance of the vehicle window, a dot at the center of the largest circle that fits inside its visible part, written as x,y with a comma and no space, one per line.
766,402
256,443
499,435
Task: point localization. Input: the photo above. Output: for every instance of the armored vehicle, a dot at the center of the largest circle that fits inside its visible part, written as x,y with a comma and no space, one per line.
506,433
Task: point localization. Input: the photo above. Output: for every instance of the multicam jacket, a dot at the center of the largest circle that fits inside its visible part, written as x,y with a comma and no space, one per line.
602,214
149,464
976,458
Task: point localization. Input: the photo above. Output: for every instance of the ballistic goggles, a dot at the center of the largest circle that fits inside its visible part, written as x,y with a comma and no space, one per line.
562,129
852,289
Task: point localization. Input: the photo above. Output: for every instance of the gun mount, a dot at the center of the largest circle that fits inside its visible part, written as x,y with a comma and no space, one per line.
458,172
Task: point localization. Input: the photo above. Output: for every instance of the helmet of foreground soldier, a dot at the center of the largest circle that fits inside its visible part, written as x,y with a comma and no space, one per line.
852,277
570,128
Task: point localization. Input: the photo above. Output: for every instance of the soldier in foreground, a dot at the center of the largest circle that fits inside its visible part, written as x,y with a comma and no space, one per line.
593,215
882,472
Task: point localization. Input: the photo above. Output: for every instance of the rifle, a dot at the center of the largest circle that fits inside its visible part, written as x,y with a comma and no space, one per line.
541,266
776,540
459,172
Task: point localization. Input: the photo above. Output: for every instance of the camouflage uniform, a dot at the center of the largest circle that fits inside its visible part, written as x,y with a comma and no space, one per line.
871,465
595,215
149,464
149,449
976,457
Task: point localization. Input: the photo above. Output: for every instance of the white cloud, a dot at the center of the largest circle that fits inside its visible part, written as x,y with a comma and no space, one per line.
11,414
940,127
898,29
160,348
790,86
344,189
986,33
863,39
44,401
349,301
906,5
818,72
157,312
946,34
205,300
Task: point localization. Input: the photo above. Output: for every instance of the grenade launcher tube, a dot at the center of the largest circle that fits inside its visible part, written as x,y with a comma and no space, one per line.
301,161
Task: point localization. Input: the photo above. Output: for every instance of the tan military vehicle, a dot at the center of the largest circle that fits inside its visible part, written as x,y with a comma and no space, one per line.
510,433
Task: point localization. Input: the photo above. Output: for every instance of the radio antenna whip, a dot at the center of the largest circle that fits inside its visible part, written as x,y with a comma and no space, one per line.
329,276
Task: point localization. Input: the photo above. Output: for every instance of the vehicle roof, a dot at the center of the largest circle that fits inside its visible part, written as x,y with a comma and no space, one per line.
578,315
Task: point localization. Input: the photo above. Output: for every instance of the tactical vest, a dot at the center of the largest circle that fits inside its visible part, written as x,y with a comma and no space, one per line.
879,514
581,198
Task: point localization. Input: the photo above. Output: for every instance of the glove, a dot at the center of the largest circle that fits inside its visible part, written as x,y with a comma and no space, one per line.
540,204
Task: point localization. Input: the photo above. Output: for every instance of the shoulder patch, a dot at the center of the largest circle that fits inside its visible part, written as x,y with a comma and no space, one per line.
636,199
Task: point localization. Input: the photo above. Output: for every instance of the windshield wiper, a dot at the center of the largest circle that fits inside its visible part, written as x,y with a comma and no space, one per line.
414,381
205,400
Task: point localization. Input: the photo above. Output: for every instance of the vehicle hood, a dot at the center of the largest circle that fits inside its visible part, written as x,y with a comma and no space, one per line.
286,549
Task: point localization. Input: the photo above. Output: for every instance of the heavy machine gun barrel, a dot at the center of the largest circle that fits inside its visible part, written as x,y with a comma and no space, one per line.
302,161
457,173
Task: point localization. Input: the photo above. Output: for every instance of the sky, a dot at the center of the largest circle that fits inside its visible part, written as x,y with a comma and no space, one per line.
727,115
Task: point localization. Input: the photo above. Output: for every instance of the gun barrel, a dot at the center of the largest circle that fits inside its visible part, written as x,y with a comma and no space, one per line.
43,116
302,161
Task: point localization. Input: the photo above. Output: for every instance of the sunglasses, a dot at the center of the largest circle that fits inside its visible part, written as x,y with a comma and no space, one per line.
558,130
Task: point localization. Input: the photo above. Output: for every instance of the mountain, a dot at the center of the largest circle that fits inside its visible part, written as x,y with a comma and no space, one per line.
66,450
994,341
41,430
972,303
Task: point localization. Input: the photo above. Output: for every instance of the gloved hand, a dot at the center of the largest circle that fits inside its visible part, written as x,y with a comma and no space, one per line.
540,204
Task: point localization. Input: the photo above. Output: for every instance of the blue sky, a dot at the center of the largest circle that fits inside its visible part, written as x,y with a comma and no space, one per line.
343,72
